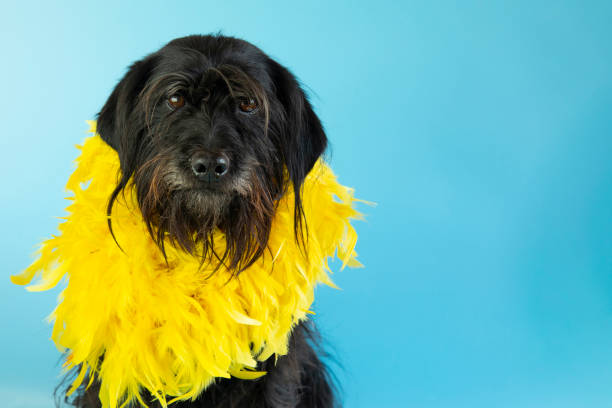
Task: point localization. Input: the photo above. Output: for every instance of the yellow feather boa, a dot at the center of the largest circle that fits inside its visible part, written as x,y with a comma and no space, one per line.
133,321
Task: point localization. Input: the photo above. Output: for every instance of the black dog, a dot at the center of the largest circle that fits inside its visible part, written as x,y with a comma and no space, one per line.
212,131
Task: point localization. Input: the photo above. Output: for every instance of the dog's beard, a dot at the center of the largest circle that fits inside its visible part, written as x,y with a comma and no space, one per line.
179,210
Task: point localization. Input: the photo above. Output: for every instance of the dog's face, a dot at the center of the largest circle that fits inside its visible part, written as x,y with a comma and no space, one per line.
211,132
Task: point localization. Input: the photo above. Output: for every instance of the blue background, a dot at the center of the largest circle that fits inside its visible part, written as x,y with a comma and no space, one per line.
481,129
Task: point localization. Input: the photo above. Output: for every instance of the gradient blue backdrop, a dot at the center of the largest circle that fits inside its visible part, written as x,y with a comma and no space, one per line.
481,129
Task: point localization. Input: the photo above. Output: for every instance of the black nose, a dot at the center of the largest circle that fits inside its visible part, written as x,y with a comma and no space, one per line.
209,166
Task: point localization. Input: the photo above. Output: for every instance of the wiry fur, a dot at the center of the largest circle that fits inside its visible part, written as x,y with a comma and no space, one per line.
269,150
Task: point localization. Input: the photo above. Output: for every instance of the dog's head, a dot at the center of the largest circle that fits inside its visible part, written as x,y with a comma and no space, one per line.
211,132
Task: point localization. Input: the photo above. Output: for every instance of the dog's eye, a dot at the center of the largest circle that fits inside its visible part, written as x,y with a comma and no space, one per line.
176,101
248,105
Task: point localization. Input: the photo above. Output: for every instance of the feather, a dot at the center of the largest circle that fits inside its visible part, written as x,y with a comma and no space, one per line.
173,330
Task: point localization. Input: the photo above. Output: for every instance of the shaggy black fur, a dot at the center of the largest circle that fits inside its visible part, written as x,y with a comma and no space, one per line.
211,132
268,147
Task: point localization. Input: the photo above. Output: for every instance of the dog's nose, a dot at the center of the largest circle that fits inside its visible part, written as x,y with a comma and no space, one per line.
209,166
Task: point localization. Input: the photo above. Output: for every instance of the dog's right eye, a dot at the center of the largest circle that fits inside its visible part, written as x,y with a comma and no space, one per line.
247,105
176,101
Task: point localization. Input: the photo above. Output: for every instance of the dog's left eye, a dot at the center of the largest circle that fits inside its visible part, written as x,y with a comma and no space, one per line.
247,105
176,101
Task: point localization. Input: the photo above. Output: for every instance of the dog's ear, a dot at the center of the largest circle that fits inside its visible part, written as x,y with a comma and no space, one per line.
117,113
119,123
304,139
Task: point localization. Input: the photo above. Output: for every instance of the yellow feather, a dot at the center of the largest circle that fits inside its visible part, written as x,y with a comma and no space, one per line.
173,330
